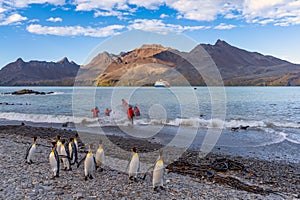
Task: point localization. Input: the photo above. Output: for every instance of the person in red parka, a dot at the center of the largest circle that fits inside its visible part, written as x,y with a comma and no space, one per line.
136,111
107,112
124,103
95,111
130,114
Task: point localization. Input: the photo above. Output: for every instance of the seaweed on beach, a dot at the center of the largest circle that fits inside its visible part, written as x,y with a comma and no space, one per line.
216,173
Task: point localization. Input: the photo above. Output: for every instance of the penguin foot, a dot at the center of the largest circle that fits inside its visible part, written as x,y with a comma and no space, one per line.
91,177
160,187
56,176
101,169
85,178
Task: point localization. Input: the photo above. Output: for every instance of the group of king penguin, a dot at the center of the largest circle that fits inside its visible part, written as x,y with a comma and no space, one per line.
67,154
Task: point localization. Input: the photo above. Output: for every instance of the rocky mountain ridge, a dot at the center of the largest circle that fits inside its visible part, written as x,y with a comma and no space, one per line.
144,65
151,62
32,73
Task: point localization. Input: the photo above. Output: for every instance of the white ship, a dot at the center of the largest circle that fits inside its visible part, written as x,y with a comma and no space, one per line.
161,83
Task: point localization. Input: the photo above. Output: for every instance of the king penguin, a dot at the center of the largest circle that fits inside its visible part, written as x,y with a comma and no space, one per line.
54,160
30,151
100,157
134,165
158,173
73,151
64,151
89,165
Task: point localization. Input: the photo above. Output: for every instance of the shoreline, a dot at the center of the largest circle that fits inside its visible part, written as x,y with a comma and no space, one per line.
184,175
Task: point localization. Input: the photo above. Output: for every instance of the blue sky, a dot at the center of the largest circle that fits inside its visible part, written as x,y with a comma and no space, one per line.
51,29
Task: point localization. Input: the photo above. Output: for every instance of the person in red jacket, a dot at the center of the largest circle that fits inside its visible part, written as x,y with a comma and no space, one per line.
136,111
130,114
95,111
107,112
124,103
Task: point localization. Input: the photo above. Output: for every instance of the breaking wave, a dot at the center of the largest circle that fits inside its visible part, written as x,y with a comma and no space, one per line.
121,119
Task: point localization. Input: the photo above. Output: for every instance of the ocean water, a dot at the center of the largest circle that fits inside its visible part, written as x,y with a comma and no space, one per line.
272,113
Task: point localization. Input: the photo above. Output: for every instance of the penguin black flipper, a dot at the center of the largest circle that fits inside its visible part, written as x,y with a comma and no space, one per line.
75,153
27,151
129,159
57,161
81,161
95,163
69,156
145,174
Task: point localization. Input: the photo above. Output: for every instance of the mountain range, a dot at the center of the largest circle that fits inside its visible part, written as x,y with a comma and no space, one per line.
151,62
41,73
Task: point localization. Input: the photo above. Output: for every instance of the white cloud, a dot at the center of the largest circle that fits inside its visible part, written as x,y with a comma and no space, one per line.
224,26
25,3
33,20
149,4
12,19
278,12
200,10
2,9
158,26
74,30
253,5
88,5
162,16
109,13
265,21
54,19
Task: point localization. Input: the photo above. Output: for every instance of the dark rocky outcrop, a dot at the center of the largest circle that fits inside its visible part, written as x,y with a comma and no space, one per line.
26,91
38,73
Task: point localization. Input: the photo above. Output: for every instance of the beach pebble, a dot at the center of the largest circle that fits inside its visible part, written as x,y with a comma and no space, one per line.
59,193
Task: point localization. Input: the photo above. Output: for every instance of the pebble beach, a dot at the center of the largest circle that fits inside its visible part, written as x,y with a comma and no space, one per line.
20,180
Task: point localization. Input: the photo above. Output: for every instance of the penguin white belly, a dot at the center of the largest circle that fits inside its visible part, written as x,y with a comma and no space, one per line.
70,149
53,163
76,144
89,165
100,158
31,152
134,166
58,148
158,173
65,160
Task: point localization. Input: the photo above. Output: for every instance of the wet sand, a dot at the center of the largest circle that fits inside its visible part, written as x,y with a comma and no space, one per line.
276,179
